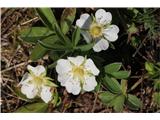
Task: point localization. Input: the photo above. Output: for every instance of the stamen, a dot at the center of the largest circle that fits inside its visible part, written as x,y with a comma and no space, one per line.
96,30
78,71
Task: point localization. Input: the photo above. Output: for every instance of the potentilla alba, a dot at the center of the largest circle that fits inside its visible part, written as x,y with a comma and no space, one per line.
35,83
98,29
77,74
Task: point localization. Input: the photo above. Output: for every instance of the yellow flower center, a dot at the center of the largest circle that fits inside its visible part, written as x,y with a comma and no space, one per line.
96,30
78,71
38,81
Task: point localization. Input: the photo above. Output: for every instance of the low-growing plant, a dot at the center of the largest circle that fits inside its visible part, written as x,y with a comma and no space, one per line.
117,95
153,70
73,47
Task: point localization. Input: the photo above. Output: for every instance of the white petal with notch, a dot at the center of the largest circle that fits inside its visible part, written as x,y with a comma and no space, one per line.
90,66
29,90
103,17
63,66
111,33
90,83
84,22
101,45
46,94
73,86
76,60
38,70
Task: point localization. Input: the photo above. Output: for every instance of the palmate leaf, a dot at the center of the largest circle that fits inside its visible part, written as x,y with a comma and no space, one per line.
113,100
118,103
121,74
33,108
133,102
67,19
112,85
33,34
113,67
106,97
47,17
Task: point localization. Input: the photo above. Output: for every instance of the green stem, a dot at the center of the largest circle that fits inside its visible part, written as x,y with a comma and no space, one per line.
124,86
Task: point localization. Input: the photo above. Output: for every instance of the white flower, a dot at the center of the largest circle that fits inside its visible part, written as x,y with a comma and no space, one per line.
98,29
35,83
77,74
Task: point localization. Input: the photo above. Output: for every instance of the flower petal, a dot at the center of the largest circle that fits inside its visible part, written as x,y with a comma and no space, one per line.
90,83
101,45
103,17
25,79
90,66
111,33
63,78
86,36
46,94
73,86
38,70
76,60
29,90
84,22
63,66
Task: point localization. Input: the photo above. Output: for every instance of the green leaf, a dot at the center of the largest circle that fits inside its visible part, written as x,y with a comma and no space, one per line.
54,55
133,102
112,84
39,51
113,67
98,87
118,103
135,41
156,98
112,46
85,47
57,57
53,65
149,67
132,29
121,74
158,64
107,97
47,17
113,100
33,108
50,84
67,19
63,39
76,36
155,75
33,34
157,85
56,47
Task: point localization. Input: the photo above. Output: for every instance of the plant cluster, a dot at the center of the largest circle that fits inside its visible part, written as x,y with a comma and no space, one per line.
73,46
